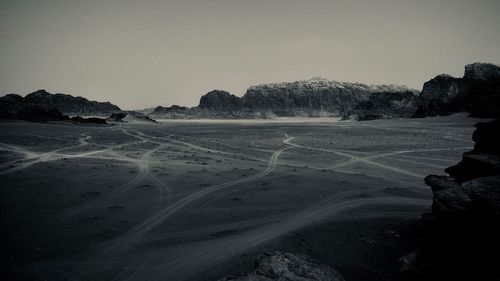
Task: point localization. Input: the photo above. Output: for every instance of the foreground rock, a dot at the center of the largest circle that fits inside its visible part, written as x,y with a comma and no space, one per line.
461,238
279,266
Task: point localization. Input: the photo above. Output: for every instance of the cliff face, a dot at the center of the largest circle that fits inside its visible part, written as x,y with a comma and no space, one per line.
478,93
442,95
385,105
317,96
482,71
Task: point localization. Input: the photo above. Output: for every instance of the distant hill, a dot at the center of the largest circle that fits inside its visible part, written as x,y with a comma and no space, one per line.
478,93
66,104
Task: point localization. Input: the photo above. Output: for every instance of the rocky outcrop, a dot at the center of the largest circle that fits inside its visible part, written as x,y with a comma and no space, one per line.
460,238
484,160
314,97
70,105
478,93
383,105
279,266
482,71
442,95
220,101
12,105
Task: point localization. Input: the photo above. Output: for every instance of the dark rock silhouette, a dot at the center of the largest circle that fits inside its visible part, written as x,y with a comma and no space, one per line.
460,238
41,105
220,100
70,105
484,160
442,95
478,93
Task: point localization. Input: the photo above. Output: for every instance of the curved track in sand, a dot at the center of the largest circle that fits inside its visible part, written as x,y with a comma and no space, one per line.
39,157
367,160
136,234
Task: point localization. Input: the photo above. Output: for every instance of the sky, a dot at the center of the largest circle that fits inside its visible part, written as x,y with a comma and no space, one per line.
140,54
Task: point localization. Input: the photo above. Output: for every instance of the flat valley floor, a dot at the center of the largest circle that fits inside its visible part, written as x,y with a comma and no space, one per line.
188,200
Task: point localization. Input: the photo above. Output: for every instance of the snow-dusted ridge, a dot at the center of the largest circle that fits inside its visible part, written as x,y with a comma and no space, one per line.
319,83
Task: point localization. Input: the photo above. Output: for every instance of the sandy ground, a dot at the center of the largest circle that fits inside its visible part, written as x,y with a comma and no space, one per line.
200,200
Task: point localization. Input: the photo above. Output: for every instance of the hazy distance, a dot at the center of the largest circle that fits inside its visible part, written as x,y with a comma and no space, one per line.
140,54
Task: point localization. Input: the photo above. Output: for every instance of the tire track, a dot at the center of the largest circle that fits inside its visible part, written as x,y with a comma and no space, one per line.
176,263
45,156
137,233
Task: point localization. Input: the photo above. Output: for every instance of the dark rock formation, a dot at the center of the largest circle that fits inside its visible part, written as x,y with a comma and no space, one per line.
382,105
478,93
220,101
484,160
13,106
279,266
70,105
460,239
173,112
482,71
442,95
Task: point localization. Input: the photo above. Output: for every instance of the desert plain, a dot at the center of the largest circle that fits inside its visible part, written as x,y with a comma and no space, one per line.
200,200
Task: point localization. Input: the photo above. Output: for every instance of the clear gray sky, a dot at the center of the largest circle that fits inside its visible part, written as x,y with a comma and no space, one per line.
143,53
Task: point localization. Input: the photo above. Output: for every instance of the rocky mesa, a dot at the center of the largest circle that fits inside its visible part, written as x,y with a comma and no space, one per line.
316,97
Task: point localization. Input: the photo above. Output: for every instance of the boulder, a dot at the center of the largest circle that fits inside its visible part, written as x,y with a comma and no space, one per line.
278,266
